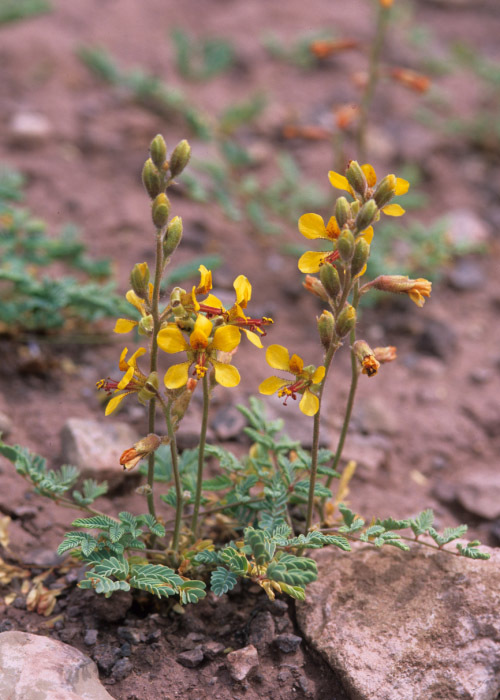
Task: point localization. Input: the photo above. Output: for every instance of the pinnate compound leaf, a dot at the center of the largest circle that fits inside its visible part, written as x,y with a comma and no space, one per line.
115,532
113,567
75,540
391,524
91,490
315,540
222,580
262,547
296,592
471,552
192,591
320,491
207,556
237,562
353,522
152,524
96,522
292,570
422,522
102,584
449,534
218,483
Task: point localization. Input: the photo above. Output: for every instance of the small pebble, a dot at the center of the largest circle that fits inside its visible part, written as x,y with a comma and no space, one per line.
191,658
288,643
90,637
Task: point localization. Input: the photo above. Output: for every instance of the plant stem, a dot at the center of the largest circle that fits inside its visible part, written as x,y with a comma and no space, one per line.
352,391
177,477
154,364
201,456
373,76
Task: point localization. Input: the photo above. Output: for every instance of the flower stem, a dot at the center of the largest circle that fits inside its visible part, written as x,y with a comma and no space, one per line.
201,456
352,391
373,76
176,473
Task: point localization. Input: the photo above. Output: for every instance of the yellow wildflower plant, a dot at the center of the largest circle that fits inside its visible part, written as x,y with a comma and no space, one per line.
278,357
132,381
202,348
399,187
235,316
312,226
143,306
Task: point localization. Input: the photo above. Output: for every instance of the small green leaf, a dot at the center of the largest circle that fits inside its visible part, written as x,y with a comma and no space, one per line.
222,580
96,522
113,567
192,592
262,548
422,522
296,592
471,552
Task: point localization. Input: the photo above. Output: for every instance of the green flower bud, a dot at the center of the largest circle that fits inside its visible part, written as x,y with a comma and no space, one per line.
330,279
345,245
366,215
385,191
342,211
173,236
151,179
139,279
145,326
361,255
180,158
356,178
158,150
326,325
150,388
160,210
346,320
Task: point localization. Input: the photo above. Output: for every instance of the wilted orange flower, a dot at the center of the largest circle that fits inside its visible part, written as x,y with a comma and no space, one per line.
417,289
322,48
385,354
411,79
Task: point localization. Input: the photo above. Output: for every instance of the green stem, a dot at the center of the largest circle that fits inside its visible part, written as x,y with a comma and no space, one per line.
352,391
154,364
177,477
373,76
201,456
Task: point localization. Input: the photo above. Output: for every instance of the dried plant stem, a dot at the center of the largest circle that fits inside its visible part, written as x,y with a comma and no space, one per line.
373,76
201,455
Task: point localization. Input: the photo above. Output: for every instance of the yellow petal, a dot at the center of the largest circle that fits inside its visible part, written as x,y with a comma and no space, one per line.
402,186
226,338
318,375
338,181
213,301
121,362
136,301
176,376
123,325
170,339
226,375
296,364
312,226
278,357
271,385
332,229
133,360
370,174
311,261
368,234
126,378
243,290
115,401
253,338
393,210
202,326
205,280
309,403
416,297
362,271
151,289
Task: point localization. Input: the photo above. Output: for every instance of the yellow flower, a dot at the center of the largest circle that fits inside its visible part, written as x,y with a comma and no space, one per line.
201,349
401,186
132,381
235,316
278,357
312,226
124,325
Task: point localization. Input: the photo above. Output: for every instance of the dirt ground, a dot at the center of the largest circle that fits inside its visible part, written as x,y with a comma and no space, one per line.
428,424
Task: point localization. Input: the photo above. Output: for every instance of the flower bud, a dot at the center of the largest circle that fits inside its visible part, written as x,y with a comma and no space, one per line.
151,179
345,245
356,178
181,403
160,210
416,289
385,190
158,150
385,354
329,279
360,257
143,448
139,279
366,357
366,215
173,236
326,325
342,211
346,320
179,158
313,285
150,388
146,325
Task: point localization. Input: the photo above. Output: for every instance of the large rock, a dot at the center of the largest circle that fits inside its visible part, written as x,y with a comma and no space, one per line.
95,448
38,668
420,625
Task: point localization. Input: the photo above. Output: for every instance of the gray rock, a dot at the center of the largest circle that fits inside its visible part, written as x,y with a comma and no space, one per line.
90,637
95,448
121,669
437,339
228,423
466,275
131,635
398,626
465,230
374,415
479,493
33,667
262,630
29,129
212,649
288,643
191,658
242,661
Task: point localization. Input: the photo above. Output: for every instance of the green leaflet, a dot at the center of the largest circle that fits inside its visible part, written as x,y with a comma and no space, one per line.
222,580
